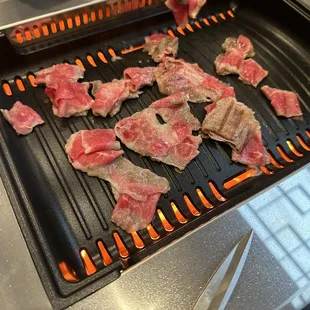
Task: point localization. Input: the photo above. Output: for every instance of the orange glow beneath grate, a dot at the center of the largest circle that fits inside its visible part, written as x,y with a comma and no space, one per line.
308,133
93,16
77,20
129,5
266,170
240,178
216,192
85,18
303,143
198,24
137,240
79,63
132,49
189,27
167,226
178,213
36,31
31,79
91,60
20,84
171,34
230,13
108,11
102,57
152,232
88,263
69,22
274,161
105,256
222,16
206,22
115,8
180,30
214,19
53,27
68,274
191,206
19,36
122,250
284,155
7,89
112,52
61,24
45,29
204,199
100,13
122,6
293,148
28,34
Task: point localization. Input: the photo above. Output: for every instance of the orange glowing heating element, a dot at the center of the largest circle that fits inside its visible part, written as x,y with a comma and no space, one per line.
69,22
20,84
180,217
222,16
137,240
28,34
284,155
68,274
198,24
303,143
240,178
203,199
19,36
7,89
214,19
171,34
152,232
112,52
36,31
123,252
230,13
31,79
102,57
53,27
88,263
79,63
293,148
45,29
266,170
274,161
216,192
105,256
167,226
61,24
308,133
180,30
93,16
189,27
100,13
206,22
91,60
132,49
191,206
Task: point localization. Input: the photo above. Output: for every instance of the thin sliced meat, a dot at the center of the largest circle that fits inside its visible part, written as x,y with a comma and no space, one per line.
171,141
229,63
109,98
136,190
160,46
70,98
194,7
254,153
242,44
251,72
139,77
285,103
57,73
22,118
231,122
176,75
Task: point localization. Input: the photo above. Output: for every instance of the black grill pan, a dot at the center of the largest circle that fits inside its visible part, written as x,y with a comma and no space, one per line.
62,211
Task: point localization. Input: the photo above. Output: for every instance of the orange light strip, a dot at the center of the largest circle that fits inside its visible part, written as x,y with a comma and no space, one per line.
182,219
171,33
266,170
206,22
88,263
308,133
7,89
79,63
100,13
53,27
152,232
105,256
137,240
293,148
189,27
19,36
102,57
69,22
180,30
36,31
284,155
132,49
274,161
93,16
85,18
28,34
216,192
20,84
303,143
222,16
68,274
204,199
214,19
31,79
240,178
61,24
191,206
91,60
122,250
167,226
112,52
197,24
45,29
230,13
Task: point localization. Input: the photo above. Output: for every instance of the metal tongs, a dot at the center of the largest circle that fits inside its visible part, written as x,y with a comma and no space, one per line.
218,290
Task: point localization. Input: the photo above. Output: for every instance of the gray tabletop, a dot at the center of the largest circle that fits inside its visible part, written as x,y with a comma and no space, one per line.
276,274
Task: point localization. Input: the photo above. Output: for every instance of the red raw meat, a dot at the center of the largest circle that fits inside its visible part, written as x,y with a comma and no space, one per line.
109,98
171,142
229,63
251,72
136,190
284,102
176,75
139,77
243,45
70,98
22,118
254,153
160,46
184,9
57,73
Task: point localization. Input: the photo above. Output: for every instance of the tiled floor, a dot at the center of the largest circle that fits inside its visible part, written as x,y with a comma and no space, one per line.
281,218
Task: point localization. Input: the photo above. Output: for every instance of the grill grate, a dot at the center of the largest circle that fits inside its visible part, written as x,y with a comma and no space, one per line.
67,222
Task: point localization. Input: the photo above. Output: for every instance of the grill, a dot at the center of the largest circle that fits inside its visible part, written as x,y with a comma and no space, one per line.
65,215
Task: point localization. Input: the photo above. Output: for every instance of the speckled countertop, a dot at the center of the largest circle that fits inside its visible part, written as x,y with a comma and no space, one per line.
276,274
